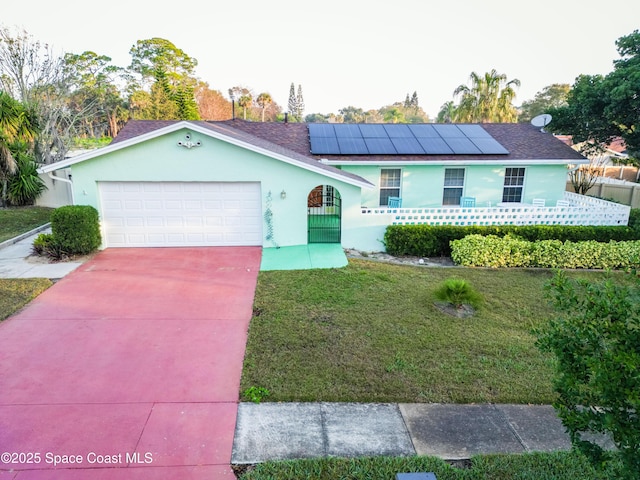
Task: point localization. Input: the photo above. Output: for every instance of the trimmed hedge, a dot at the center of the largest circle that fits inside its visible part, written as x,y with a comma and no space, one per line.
76,229
493,251
434,240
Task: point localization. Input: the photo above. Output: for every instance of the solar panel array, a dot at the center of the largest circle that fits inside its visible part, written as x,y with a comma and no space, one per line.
402,139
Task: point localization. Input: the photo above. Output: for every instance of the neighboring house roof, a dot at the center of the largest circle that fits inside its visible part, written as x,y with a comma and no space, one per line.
524,142
138,131
616,147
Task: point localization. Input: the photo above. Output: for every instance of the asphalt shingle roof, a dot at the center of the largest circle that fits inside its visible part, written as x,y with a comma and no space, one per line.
522,140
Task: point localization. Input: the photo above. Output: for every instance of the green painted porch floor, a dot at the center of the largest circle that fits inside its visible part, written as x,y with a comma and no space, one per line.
304,257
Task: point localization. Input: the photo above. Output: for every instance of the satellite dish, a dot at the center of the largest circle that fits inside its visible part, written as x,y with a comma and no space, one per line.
541,120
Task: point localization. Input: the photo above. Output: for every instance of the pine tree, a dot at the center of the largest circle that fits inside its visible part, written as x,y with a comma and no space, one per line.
293,107
299,104
414,102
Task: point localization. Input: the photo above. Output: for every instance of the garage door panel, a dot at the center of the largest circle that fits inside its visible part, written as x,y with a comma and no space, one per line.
181,213
152,205
134,221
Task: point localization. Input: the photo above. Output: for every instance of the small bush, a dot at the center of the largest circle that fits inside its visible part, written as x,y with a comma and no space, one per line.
41,243
76,229
458,292
46,245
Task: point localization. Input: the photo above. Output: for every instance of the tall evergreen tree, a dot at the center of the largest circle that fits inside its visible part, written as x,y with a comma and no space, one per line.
413,103
293,104
299,104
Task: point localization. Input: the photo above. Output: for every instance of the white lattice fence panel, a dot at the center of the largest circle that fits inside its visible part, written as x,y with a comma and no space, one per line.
582,212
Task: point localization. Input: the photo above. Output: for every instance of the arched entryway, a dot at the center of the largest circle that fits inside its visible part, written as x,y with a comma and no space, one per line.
324,215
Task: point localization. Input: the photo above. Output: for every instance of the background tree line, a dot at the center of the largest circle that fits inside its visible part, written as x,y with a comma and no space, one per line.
56,101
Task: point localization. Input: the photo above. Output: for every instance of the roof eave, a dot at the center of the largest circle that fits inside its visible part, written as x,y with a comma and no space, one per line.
492,161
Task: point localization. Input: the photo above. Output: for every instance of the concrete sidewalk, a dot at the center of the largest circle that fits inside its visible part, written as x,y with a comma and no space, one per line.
16,260
281,431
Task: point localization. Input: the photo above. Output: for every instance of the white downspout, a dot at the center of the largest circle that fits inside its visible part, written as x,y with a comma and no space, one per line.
66,180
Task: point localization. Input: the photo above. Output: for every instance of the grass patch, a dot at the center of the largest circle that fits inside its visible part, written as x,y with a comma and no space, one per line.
534,466
369,332
16,293
17,220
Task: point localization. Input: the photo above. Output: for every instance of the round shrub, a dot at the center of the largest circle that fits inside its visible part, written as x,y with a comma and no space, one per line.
76,229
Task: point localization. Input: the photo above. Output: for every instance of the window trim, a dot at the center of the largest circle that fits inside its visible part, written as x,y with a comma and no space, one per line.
381,188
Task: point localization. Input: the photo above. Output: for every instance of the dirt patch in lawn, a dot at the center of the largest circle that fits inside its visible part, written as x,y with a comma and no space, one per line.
385,257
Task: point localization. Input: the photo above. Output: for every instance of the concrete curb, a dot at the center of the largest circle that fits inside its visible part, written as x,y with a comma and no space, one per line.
14,240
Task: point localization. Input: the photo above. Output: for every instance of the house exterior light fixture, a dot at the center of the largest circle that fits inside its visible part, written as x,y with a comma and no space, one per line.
283,194
187,143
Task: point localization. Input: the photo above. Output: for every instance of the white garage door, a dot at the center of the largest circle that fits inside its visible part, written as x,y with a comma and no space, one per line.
171,214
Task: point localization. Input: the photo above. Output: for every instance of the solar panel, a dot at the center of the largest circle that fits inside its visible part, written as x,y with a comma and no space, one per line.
402,139
370,130
347,130
407,146
473,131
379,146
448,130
462,145
324,145
352,146
398,130
489,146
435,146
321,130
423,131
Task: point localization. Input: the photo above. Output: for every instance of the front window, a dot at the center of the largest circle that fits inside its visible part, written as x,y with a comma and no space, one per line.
389,184
513,184
453,186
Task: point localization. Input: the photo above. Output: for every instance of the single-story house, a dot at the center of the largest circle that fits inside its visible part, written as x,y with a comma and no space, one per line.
197,183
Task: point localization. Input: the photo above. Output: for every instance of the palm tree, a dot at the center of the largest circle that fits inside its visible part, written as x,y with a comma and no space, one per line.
264,100
447,112
245,101
16,126
488,99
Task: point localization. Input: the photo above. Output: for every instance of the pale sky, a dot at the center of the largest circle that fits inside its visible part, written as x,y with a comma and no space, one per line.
349,52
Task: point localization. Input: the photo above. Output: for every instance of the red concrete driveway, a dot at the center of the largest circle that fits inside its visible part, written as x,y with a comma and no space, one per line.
129,367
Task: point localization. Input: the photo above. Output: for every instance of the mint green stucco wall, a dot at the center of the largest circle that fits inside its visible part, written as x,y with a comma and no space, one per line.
161,159
422,185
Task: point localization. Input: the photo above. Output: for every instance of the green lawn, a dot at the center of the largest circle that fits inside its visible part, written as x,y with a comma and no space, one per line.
17,220
369,332
16,293
536,466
